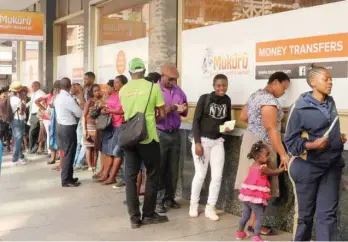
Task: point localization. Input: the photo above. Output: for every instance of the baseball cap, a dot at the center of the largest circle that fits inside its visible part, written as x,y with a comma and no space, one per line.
15,86
136,65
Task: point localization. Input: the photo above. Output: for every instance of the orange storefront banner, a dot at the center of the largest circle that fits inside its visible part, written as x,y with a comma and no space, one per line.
118,30
21,25
314,47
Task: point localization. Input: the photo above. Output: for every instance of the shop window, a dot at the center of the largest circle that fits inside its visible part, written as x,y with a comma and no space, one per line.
122,25
72,38
31,50
66,7
199,13
75,5
62,8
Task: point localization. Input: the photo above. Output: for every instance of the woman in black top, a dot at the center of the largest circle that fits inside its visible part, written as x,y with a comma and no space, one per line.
212,110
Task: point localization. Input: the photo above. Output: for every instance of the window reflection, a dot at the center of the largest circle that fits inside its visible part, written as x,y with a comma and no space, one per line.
199,13
119,26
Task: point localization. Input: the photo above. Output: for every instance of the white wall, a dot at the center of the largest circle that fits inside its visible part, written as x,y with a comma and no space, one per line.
70,66
109,55
29,72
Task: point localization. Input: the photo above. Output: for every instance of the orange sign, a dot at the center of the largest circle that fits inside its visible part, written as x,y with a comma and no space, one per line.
117,30
314,47
77,73
121,62
21,25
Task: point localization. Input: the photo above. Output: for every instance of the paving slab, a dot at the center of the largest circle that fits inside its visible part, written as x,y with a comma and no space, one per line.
33,206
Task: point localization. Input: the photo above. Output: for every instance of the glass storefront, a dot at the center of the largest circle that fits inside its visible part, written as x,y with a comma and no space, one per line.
119,25
122,34
199,13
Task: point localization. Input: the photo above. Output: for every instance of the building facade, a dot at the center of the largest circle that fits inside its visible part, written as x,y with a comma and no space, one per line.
245,39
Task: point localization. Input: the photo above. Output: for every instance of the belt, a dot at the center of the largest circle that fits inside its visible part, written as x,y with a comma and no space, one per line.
169,130
33,113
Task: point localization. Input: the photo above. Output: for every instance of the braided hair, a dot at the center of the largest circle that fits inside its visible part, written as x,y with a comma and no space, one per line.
256,149
313,72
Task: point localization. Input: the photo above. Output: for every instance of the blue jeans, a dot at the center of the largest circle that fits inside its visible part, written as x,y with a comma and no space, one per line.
18,127
80,156
80,150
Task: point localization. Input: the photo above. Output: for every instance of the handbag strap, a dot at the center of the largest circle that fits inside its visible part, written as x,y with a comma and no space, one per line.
148,100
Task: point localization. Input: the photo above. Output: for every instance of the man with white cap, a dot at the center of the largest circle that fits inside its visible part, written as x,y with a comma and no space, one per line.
134,98
18,122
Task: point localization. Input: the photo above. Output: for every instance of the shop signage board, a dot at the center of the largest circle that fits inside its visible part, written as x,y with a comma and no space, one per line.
21,26
248,51
118,30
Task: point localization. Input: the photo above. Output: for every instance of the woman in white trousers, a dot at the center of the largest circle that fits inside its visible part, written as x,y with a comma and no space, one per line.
212,110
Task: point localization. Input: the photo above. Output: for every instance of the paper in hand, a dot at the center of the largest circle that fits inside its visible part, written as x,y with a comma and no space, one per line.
227,124
327,133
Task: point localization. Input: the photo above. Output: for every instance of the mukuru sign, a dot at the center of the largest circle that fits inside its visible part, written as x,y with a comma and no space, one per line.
21,25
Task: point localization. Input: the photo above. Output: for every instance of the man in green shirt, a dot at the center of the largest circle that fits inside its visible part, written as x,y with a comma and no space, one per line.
134,97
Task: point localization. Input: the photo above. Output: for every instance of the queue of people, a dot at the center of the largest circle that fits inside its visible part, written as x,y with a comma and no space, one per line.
86,122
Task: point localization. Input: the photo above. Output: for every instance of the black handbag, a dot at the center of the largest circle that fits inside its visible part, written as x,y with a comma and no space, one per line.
133,131
94,114
103,121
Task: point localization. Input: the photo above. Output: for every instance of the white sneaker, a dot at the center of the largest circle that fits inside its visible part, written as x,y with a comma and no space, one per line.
193,210
21,162
211,213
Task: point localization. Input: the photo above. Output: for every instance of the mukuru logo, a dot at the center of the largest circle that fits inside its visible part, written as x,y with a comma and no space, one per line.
15,20
234,64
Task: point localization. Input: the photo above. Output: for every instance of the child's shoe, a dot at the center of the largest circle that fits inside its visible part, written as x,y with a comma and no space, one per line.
258,238
241,235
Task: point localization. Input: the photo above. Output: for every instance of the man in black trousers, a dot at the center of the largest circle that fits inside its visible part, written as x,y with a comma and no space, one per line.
68,113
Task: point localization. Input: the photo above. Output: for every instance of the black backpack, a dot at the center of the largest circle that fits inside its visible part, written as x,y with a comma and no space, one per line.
205,112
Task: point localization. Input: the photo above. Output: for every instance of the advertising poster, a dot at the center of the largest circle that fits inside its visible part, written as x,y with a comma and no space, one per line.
248,51
113,59
71,66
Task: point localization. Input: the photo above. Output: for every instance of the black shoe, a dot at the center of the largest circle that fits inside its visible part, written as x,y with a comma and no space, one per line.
51,162
172,204
160,208
154,219
75,180
135,223
76,184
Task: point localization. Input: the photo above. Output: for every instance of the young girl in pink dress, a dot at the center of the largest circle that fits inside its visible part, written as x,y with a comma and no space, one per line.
255,190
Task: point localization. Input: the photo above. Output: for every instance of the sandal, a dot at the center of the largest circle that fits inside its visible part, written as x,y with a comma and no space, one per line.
268,228
270,232
102,179
51,162
109,182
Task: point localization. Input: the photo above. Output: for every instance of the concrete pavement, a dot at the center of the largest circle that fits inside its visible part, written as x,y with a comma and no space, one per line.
33,206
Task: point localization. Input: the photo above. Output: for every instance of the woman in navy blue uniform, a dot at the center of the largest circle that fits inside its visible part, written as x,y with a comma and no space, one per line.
315,142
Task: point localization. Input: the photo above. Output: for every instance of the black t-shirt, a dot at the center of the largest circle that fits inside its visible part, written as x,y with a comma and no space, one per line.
211,112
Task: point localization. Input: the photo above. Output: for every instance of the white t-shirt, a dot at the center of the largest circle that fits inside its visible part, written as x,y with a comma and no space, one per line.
33,108
16,103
